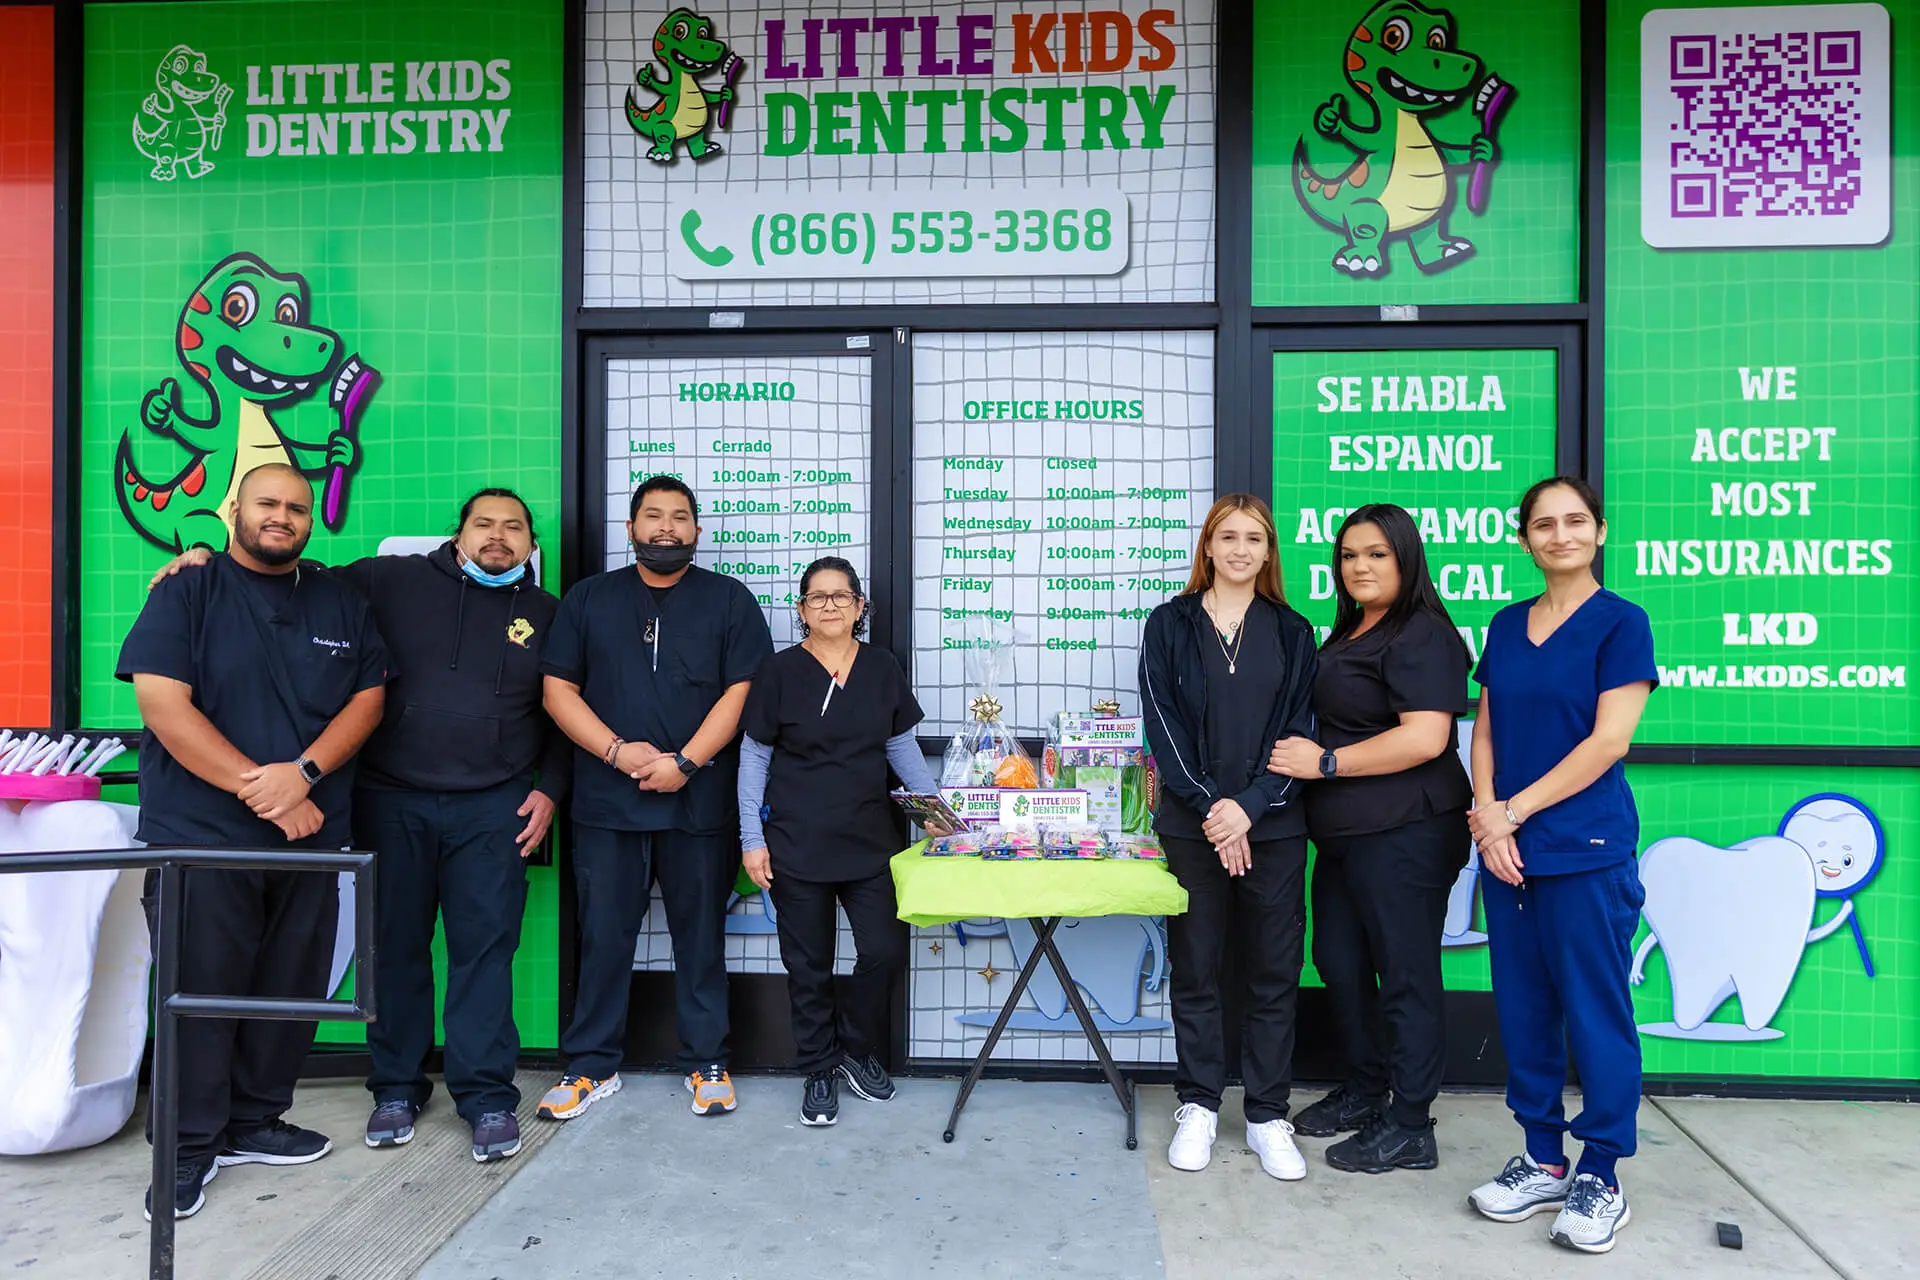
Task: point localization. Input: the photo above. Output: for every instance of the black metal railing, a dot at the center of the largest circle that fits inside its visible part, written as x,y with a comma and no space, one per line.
170,1003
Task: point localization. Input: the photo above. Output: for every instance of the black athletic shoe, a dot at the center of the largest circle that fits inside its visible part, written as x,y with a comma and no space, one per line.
275,1142
1341,1111
189,1176
866,1077
820,1103
1384,1146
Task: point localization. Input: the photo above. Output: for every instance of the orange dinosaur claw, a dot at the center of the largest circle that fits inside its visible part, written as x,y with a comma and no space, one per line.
160,499
139,493
196,479
1313,184
1359,175
1331,190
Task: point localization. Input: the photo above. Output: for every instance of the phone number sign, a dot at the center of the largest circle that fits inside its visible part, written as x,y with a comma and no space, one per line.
1002,232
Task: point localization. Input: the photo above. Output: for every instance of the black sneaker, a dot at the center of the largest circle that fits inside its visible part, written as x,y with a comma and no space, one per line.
391,1124
275,1142
189,1177
866,1077
496,1135
1339,1112
820,1104
1383,1146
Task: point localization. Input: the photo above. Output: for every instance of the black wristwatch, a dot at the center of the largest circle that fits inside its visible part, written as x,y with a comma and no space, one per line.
687,766
1329,763
309,770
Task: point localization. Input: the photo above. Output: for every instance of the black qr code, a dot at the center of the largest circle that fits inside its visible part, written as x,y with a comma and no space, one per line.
1769,124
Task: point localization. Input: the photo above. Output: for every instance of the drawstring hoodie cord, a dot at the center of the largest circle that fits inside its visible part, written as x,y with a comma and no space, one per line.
499,672
459,624
459,620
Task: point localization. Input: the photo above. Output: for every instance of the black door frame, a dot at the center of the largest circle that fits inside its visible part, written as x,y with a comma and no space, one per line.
760,1039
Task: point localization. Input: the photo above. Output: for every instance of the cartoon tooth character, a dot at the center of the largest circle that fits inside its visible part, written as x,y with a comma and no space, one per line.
1736,921
1459,930
1107,956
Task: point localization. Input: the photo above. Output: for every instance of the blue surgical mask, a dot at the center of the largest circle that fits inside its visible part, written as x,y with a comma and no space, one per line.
485,579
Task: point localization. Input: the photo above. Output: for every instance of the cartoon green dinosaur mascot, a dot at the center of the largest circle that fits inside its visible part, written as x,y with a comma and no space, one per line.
685,45
245,339
184,117
1372,168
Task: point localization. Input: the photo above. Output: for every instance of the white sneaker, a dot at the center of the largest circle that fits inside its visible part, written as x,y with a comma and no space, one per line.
1272,1141
1522,1190
1591,1215
1192,1145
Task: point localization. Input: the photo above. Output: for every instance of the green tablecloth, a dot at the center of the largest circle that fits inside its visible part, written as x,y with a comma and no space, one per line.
935,891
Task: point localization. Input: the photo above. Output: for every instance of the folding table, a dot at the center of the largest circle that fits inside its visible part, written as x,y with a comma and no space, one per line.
944,890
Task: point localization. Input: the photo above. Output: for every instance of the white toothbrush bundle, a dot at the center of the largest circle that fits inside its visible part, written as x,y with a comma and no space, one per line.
41,755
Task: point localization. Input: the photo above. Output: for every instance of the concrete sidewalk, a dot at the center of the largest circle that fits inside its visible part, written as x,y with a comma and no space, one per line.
1038,1184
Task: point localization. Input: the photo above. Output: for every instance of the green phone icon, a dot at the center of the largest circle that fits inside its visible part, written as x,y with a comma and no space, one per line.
689,226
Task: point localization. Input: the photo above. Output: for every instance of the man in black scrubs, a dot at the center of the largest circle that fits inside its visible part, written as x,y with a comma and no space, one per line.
647,671
257,680
445,791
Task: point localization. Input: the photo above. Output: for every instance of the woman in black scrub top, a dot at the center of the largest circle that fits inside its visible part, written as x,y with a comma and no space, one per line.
1387,810
825,722
1226,670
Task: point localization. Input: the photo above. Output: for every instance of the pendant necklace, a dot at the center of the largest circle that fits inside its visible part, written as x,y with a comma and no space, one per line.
1238,637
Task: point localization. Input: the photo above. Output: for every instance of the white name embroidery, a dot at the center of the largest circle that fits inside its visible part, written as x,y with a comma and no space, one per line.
333,644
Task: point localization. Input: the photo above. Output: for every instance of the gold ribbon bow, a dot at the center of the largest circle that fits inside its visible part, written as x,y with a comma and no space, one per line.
1110,707
986,707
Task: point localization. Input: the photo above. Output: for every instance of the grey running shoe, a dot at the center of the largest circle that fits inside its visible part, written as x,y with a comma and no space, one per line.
496,1135
1522,1190
391,1124
1592,1214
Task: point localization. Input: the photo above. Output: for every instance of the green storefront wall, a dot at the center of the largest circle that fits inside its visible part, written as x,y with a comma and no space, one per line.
440,264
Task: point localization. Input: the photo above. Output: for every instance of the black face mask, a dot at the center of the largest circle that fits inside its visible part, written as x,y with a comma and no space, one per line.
664,558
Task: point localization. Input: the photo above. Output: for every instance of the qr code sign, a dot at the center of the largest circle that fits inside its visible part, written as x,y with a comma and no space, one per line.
1765,126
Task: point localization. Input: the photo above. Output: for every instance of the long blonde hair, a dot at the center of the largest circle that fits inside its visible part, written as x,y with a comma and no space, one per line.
1267,581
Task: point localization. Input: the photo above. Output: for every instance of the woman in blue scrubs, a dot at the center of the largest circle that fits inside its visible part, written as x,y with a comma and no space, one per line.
1565,677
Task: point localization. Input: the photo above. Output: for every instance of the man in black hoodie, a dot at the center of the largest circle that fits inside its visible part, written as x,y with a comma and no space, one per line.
446,792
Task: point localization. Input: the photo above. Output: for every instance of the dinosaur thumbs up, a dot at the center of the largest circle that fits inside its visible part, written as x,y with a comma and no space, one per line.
1328,118
157,409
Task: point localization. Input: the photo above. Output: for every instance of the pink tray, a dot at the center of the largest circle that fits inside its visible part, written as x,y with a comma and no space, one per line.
52,786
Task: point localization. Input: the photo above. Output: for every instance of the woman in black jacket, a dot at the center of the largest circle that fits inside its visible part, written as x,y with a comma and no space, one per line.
1387,810
1226,670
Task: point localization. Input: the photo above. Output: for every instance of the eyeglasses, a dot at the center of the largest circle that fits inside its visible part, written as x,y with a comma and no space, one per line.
821,599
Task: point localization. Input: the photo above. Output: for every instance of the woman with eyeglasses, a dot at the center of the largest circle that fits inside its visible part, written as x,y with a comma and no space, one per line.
825,723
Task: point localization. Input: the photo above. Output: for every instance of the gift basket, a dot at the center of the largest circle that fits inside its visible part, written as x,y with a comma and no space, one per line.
985,753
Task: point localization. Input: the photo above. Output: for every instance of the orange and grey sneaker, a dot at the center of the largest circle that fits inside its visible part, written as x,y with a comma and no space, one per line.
712,1090
574,1094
